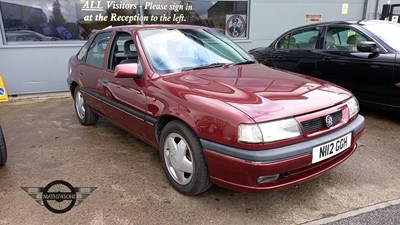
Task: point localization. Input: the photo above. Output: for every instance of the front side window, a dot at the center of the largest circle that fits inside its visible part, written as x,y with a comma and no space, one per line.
343,38
123,50
96,52
175,50
303,39
63,20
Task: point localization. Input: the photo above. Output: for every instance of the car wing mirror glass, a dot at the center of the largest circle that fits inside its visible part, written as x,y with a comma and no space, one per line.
128,70
367,46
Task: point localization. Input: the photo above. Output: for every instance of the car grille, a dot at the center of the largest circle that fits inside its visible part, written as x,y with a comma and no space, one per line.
318,123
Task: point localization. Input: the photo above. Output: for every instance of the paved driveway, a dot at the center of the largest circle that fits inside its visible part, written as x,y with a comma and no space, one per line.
46,142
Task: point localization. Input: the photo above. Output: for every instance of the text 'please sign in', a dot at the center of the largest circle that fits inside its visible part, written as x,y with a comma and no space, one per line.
115,11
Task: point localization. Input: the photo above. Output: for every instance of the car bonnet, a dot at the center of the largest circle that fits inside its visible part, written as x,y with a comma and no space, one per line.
261,92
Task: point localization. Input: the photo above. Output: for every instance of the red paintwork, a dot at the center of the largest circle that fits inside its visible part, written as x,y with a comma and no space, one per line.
242,175
213,102
214,106
128,70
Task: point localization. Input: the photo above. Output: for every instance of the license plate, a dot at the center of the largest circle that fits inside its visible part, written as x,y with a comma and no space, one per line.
330,149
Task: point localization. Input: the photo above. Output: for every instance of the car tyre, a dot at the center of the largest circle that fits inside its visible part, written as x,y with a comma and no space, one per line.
85,115
182,159
3,149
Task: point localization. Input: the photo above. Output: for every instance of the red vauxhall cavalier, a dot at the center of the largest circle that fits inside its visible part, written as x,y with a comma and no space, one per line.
216,115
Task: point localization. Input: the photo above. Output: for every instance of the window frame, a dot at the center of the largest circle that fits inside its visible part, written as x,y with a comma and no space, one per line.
112,53
247,37
98,43
297,32
344,28
83,49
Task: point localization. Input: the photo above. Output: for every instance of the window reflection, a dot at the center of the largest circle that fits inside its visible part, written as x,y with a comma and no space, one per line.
57,20
38,21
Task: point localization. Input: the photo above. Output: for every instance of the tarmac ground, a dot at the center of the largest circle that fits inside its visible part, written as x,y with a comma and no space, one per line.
46,142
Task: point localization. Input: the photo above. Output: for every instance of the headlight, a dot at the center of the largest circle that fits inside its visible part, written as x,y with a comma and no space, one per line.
353,106
250,133
269,131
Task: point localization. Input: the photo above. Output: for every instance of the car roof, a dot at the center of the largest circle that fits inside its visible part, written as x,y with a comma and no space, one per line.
153,26
355,22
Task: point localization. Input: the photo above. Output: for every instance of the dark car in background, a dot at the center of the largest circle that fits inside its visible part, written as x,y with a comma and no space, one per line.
215,115
362,56
3,148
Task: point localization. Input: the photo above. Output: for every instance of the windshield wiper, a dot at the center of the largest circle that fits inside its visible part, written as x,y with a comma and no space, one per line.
211,65
241,63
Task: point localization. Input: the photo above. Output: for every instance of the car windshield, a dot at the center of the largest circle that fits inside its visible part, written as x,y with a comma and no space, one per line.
176,50
388,32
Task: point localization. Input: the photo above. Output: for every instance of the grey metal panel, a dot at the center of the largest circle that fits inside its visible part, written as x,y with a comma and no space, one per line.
270,18
35,69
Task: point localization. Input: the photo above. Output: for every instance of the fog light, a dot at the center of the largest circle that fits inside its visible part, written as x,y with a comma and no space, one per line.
266,179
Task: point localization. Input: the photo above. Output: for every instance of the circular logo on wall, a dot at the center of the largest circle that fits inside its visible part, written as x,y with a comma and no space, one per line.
235,25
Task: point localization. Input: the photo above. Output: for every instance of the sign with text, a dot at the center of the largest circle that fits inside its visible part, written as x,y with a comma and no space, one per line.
345,8
313,18
134,13
3,92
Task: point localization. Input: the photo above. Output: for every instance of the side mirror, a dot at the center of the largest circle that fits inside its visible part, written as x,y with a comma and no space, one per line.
128,70
253,56
367,46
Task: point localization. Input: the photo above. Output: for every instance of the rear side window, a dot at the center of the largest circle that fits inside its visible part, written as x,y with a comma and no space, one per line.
96,51
303,39
81,54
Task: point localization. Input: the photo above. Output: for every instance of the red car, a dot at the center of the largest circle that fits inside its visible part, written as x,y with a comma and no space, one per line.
216,115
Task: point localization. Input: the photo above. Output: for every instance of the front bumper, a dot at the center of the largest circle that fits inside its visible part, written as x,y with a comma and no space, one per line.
239,168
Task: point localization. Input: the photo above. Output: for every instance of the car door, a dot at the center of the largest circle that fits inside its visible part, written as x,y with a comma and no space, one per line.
395,90
368,75
90,70
125,98
295,51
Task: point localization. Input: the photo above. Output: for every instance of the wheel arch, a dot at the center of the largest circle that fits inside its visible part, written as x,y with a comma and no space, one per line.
165,119
72,87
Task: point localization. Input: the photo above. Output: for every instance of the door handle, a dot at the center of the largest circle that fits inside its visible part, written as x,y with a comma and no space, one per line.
81,73
105,81
327,58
